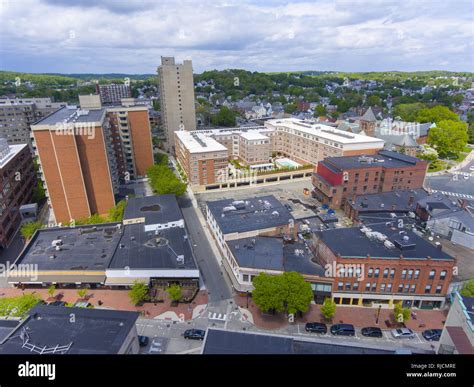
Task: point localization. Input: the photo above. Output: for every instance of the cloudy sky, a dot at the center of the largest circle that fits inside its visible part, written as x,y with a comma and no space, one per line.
126,36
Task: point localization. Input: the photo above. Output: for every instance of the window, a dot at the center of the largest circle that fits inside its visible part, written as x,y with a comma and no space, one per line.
374,286
428,289
367,287
392,273
417,274
413,288
370,273
438,289
400,288
385,273
377,272
340,285
355,286
410,274
389,287
404,274
442,275
407,288
246,277
348,286
382,287
432,274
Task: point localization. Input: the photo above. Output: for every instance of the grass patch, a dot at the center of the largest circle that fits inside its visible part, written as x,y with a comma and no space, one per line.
18,306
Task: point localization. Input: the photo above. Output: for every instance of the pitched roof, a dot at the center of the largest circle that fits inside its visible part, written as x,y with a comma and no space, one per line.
369,116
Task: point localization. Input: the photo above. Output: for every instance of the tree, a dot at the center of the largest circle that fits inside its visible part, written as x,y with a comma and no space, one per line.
138,292
51,290
374,100
328,309
286,292
116,213
225,117
82,293
28,229
175,293
448,137
291,108
408,111
436,114
164,181
320,111
401,314
467,289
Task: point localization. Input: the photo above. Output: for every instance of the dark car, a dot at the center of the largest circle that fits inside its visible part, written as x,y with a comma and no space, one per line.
343,330
432,334
58,303
315,327
143,341
371,332
194,334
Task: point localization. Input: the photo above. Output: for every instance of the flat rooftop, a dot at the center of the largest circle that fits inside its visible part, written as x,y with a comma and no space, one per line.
72,114
140,249
392,201
196,142
269,253
253,135
356,244
324,131
225,342
8,153
82,248
250,214
387,159
155,209
94,331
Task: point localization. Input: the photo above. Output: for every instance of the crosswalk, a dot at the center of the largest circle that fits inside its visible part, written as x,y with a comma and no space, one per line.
455,194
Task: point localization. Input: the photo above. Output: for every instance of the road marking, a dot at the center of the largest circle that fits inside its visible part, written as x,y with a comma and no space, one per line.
455,194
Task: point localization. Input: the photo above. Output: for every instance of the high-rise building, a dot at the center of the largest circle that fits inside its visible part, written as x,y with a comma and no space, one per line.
18,114
177,97
85,154
113,93
17,179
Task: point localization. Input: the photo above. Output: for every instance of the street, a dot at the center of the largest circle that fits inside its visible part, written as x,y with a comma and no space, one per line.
454,184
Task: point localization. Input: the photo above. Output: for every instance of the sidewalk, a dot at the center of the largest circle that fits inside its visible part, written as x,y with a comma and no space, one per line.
117,299
358,316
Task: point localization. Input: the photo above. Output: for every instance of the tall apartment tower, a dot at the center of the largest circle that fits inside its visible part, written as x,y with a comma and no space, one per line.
85,153
177,97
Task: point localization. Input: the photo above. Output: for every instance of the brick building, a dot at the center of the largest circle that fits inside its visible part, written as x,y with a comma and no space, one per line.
113,93
381,265
17,179
336,179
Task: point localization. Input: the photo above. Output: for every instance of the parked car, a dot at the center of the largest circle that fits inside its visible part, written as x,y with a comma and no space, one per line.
403,333
58,303
143,341
372,332
194,334
432,334
82,304
343,330
315,327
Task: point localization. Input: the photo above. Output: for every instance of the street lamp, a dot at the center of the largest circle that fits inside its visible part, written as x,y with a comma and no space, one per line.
378,315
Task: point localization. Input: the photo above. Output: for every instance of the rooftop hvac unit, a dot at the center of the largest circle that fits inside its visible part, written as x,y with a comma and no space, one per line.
228,209
388,244
180,259
275,213
56,242
393,214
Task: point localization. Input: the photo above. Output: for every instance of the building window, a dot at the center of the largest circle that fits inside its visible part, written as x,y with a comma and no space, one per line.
410,274
385,273
367,287
374,286
442,275
432,274
438,289
376,273
428,289
413,288
348,286
389,287
382,288
246,277
407,288
404,274
400,288
392,273
370,273
340,286
355,286
417,274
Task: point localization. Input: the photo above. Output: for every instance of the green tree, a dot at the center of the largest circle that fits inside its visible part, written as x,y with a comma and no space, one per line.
320,111
286,292
164,181
436,114
18,306
290,108
401,314
28,229
116,213
328,309
408,111
51,290
373,100
138,292
448,137
467,289
175,293
225,117
82,293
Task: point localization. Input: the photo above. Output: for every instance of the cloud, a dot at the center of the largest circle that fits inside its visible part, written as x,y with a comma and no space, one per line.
130,36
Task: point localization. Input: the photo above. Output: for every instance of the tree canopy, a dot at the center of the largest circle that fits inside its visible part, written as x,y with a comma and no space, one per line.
225,117
448,137
436,114
164,181
467,289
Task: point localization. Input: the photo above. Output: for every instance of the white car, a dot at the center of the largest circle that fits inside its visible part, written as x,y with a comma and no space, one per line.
403,333
471,168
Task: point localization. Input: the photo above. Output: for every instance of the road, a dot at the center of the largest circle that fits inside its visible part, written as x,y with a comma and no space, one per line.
454,184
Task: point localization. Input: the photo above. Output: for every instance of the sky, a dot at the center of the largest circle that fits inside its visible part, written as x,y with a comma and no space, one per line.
126,36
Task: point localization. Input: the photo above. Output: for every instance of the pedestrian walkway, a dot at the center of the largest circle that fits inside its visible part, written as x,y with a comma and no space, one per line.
455,194
358,316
